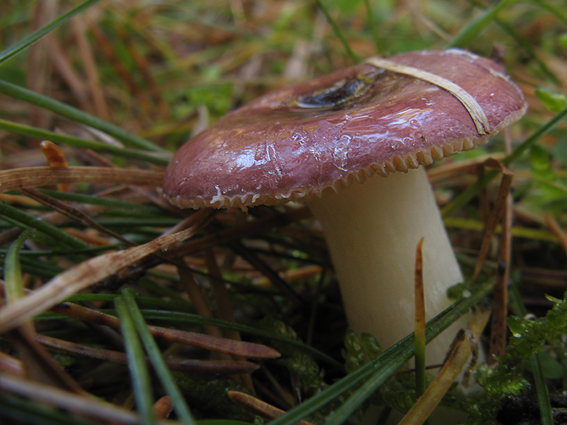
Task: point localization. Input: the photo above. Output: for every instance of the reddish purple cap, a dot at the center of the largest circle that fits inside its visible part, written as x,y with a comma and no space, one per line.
343,127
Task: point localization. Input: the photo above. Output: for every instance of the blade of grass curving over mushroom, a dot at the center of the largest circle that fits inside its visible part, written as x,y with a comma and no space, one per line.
78,142
470,31
141,382
379,369
77,115
162,371
30,39
472,190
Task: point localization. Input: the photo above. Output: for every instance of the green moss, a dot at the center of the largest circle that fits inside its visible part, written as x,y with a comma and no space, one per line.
509,377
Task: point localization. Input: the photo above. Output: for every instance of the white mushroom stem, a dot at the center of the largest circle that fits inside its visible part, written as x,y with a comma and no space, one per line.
372,230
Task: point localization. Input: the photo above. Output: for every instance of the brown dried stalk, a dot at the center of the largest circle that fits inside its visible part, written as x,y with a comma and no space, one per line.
259,407
182,365
82,276
23,178
454,364
496,214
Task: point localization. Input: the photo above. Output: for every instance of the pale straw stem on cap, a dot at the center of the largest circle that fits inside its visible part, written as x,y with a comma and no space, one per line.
477,114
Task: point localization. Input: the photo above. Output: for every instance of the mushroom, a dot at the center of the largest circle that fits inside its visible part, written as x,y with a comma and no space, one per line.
350,144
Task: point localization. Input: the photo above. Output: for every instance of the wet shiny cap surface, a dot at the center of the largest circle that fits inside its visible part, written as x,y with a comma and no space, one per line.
331,131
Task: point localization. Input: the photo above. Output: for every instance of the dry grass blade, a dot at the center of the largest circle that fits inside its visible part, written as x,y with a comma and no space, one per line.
454,364
420,322
499,326
81,277
258,406
459,168
557,231
11,366
23,178
108,50
496,214
88,61
88,407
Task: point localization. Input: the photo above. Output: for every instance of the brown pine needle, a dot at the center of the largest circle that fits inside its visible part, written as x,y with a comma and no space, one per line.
182,365
496,213
419,322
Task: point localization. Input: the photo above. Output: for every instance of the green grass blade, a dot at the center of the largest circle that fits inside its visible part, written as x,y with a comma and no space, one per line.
470,31
77,115
162,371
542,392
471,191
27,41
373,26
37,133
338,32
104,202
139,373
30,221
13,269
544,404
528,48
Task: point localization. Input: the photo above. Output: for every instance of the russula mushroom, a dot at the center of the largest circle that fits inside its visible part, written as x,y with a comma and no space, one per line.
350,144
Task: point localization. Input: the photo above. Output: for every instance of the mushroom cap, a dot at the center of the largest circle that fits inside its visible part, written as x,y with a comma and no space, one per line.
324,134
